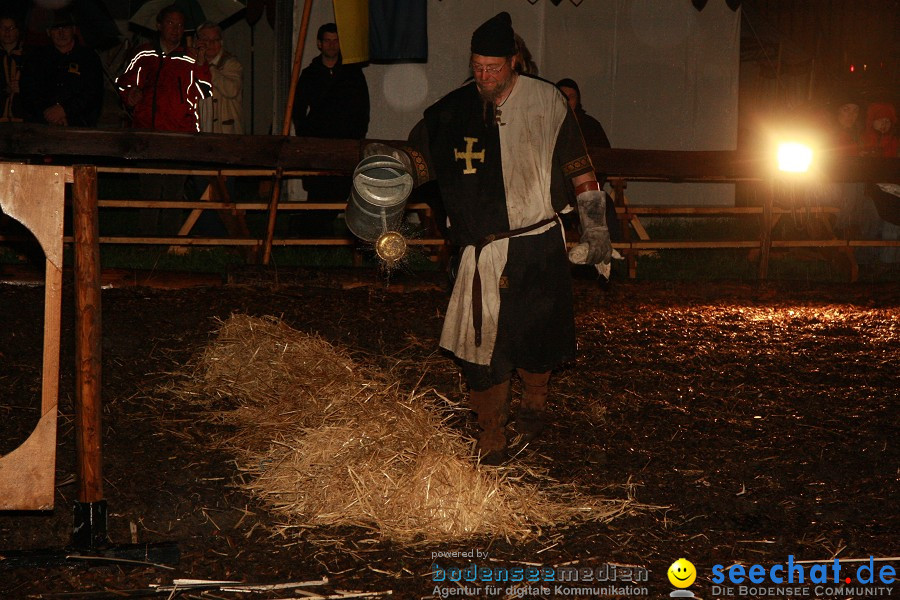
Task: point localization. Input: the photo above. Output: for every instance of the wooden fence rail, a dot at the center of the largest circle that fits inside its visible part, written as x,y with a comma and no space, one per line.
636,243
218,156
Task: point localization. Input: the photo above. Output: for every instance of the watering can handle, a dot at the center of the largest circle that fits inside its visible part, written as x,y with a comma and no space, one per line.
379,149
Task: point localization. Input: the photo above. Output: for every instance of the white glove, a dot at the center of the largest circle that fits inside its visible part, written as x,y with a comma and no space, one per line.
595,247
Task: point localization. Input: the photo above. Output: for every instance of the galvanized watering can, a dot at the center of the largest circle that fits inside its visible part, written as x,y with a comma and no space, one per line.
381,186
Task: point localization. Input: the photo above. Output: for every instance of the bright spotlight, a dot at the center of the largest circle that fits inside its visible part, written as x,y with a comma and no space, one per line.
794,157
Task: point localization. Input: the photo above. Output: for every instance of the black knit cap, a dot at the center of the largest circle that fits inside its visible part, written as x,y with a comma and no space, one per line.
569,83
495,37
62,18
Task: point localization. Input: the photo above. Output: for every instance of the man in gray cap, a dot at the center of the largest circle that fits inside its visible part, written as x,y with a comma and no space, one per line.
501,147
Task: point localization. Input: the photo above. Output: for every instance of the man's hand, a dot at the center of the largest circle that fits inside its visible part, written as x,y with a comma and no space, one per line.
599,246
198,52
133,97
595,247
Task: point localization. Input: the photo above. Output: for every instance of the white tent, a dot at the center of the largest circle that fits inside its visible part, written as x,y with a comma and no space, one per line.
657,74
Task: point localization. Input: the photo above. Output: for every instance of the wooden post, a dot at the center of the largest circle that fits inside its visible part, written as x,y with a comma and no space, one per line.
90,510
286,128
273,212
768,223
618,186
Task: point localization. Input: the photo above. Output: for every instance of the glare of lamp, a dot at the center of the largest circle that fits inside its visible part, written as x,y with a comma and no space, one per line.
794,157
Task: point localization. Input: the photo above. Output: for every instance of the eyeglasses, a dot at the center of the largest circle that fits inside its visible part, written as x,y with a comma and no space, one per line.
487,69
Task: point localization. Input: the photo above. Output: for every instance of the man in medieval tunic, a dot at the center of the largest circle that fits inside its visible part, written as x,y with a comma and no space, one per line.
500,147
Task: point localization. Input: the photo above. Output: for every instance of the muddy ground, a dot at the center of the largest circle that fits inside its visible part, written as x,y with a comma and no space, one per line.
763,422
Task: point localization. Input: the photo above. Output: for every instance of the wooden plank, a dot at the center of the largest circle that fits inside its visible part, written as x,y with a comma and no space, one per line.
337,206
733,166
624,207
235,172
768,223
110,148
618,197
194,215
232,217
273,214
27,473
821,243
676,244
688,210
723,210
212,241
53,276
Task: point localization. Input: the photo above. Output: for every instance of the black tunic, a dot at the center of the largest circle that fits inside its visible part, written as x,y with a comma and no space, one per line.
485,191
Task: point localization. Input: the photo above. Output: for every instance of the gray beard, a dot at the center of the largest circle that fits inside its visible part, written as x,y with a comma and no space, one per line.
491,96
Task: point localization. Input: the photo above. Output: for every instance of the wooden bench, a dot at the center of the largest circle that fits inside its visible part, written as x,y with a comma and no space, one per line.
822,242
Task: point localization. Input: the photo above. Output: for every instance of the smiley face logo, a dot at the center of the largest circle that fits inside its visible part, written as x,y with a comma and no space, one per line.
682,573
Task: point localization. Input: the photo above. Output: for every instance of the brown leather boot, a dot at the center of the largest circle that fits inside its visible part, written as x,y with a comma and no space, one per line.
492,407
530,416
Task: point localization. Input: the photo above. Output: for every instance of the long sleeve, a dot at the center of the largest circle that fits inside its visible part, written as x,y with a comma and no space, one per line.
360,114
302,101
83,99
129,77
227,79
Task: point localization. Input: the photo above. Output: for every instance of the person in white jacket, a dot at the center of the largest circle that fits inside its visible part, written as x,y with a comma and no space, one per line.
222,112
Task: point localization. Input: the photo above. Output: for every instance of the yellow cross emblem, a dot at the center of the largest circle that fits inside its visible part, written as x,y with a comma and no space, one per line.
469,156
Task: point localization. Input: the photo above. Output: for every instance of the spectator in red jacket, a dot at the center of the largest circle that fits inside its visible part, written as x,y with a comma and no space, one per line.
880,139
162,86
164,81
880,136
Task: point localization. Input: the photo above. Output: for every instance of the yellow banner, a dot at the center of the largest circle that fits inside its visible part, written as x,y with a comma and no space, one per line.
352,19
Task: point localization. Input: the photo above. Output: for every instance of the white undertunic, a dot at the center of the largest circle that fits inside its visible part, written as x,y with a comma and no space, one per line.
531,118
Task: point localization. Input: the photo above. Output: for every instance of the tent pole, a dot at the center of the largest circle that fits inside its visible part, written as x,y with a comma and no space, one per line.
252,78
286,127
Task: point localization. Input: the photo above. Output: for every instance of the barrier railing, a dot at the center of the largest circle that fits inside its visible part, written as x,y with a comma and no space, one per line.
637,240
829,246
233,214
266,156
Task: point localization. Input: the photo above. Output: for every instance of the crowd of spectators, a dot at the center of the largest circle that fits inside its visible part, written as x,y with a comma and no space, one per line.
59,83
867,129
185,80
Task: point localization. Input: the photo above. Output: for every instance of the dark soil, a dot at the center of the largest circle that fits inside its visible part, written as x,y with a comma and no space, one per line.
762,421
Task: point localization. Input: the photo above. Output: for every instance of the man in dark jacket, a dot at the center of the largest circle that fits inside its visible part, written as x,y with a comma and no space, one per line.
62,84
332,102
594,137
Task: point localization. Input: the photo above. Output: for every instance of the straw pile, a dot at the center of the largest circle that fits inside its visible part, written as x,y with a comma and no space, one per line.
327,442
